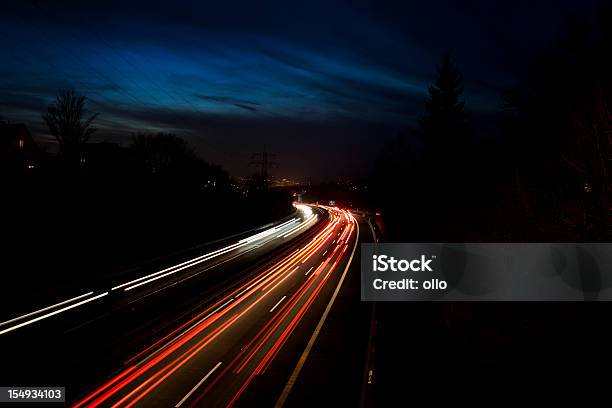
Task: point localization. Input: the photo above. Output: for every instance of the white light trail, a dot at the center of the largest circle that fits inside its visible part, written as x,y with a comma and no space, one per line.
46,308
202,258
305,224
286,226
52,313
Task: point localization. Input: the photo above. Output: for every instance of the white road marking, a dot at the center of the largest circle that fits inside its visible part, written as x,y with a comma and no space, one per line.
186,397
279,302
311,268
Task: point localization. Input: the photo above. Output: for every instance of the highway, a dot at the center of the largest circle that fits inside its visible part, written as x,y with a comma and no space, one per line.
216,329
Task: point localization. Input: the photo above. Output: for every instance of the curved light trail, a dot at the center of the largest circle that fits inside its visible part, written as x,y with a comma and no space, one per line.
213,358
283,230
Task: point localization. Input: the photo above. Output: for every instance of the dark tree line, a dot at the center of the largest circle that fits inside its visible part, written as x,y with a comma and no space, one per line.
171,159
119,205
547,176
559,123
161,158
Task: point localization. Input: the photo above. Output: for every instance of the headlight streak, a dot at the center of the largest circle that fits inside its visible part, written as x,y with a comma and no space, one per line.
162,362
205,257
185,336
91,299
148,278
311,218
172,272
45,309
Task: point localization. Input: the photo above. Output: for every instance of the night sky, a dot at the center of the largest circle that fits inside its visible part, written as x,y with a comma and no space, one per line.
322,83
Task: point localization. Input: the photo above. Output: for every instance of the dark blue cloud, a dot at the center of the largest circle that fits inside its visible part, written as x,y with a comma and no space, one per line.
236,68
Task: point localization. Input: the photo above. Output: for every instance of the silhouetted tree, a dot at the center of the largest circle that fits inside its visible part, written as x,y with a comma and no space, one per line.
66,122
444,126
438,173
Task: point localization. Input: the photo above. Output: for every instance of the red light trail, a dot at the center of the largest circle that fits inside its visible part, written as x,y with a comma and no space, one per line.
243,331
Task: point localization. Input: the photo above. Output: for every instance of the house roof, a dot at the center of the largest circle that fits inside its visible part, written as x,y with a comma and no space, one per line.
13,130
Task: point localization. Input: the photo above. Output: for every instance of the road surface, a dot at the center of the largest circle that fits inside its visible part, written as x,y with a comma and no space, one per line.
219,329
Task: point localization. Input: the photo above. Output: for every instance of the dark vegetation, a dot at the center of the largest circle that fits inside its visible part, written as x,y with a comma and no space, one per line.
545,177
95,209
